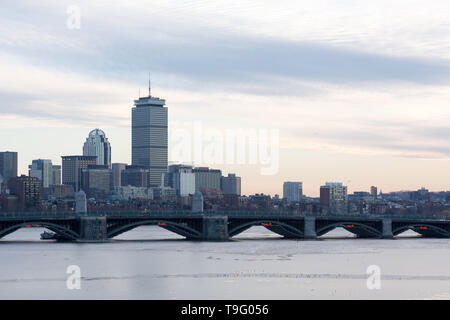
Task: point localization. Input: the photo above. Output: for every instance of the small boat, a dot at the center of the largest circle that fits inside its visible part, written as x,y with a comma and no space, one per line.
49,236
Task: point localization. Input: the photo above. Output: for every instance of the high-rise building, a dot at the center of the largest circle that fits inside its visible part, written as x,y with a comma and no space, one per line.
149,137
117,169
206,178
71,169
43,170
373,191
56,175
28,190
8,165
293,191
333,197
96,181
231,185
98,145
181,178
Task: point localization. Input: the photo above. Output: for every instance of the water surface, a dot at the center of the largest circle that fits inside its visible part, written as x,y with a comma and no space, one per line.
152,263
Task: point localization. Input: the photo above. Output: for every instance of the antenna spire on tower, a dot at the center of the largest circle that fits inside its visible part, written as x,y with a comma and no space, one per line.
149,86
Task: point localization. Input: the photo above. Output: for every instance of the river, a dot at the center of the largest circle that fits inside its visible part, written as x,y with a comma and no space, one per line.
152,263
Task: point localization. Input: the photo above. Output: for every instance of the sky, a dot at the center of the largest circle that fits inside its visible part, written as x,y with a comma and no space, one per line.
357,92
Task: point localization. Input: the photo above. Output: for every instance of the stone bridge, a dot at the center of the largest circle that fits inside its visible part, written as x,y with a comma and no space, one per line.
220,226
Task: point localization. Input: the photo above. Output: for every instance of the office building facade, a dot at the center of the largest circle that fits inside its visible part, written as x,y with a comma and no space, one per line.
334,198
135,176
206,178
374,191
56,175
117,169
96,181
71,169
181,178
28,190
293,191
149,137
43,170
231,185
8,165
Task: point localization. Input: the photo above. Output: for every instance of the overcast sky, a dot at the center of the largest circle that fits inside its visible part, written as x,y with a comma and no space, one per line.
359,91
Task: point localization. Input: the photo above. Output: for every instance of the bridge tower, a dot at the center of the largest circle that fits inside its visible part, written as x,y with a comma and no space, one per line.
310,228
93,229
215,228
387,229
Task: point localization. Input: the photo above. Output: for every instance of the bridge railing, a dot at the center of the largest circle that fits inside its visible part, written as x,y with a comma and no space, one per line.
235,214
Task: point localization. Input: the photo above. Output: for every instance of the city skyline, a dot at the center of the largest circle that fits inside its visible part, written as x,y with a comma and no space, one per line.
143,100
309,193
355,100
225,155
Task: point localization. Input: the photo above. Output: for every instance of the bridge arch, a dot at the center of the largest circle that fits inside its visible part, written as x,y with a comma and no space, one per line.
178,228
58,229
423,229
275,226
358,228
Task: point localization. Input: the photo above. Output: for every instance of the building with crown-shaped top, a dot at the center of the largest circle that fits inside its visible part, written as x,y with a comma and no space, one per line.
98,145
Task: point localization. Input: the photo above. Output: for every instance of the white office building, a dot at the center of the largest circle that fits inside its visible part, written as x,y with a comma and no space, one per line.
293,191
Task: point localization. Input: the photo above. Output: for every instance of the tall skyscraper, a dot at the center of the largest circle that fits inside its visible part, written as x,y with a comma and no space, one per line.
98,145
8,165
149,137
293,191
71,169
43,170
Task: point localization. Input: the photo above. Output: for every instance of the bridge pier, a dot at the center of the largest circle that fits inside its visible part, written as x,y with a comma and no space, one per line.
310,228
215,228
387,229
93,229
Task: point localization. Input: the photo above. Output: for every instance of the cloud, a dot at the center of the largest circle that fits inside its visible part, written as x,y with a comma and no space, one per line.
204,55
226,60
345,98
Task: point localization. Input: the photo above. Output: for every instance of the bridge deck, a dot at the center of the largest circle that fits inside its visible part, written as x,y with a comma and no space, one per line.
232,214
205,226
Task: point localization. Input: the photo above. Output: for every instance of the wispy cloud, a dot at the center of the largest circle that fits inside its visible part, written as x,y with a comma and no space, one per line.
341,77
